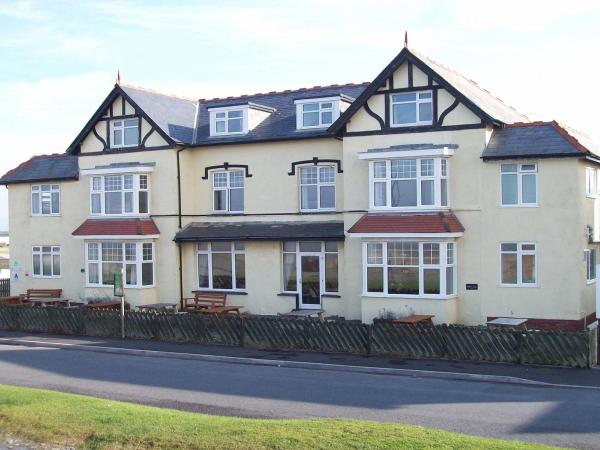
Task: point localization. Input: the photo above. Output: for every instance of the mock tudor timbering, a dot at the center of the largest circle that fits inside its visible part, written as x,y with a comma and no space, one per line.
416,193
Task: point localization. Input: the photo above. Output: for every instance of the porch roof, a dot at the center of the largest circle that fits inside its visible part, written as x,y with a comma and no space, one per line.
117,227
407,223
261,231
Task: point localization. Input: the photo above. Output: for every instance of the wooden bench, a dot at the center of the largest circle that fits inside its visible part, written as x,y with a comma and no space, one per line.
114,305
208,303
40,293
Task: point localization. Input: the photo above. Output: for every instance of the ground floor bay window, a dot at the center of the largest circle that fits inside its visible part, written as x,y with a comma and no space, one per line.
221,265
410,268
104,259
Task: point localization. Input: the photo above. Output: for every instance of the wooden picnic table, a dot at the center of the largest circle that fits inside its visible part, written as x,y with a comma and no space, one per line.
52,301
416,318
218,310
158,307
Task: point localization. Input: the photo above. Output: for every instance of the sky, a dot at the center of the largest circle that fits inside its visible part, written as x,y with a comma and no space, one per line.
59,59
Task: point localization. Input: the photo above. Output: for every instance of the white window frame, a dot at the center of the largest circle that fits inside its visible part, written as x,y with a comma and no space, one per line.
233,252
590,264
122,127
520,253
441,266
418,101
520,173
39,190
319,184
228,190
592,187
139,260
335,111
228,110
437,183
54,251
135,190
321,254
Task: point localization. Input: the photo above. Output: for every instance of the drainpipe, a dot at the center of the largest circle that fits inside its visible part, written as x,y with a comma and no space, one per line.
179,223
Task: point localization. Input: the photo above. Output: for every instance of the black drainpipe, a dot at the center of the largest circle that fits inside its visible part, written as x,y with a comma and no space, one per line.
179,225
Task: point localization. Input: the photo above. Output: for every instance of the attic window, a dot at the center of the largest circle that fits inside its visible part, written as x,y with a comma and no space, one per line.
412,109
125,133
226,121
317,112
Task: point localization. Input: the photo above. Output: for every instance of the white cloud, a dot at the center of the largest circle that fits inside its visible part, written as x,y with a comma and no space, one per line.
26,10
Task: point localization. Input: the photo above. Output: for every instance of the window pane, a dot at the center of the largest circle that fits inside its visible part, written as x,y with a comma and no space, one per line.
509,247
431,253
93,275
449,280
96,204
331,272
96,183
220,126
427,192
509,189
143,181
327,174
239,245
203,270
374,253
56,265
220,179
112,251
425,112
108,272
327,197
46,264
404,168
143,202
374,279
309,197
147,250
403,280
55,203
236,200
221,271
289,272
46,203
113,203
289,246
240,271
528,188
509,268
404,193
92,252
130,252
235,114
131,136
404,113
310,119
147,274
331,247
235,126
505,168
403,253
131,122
128,181
411,96
130,274
128,202
379,194
444,192
423,95
450,253
37,270
379,169
528,247
310,107
310,246
236,179
427,168
528,269
431,281
224,246
308,175
326,117
220,199
35,203
117,137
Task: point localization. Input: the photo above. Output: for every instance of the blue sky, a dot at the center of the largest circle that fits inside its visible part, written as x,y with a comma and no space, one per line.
59,58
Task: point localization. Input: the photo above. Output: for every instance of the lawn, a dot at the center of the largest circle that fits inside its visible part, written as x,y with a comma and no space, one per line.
87,422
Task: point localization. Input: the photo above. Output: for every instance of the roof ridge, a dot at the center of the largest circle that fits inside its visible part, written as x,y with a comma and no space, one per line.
469,80
285,91
154,91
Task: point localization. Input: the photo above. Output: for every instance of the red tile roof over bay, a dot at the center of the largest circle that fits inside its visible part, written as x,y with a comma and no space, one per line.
408,223
117,227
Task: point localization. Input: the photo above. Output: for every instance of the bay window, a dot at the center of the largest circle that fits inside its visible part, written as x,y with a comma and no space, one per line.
45,199
518,264
103,259
119,194
317,188
46,261
228,191
409,183
221,265
410,268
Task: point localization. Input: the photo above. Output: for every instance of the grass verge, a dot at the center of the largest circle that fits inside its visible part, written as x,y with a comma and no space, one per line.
92,423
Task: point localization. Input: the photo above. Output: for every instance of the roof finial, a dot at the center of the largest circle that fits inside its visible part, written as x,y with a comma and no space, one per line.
405,39
118,76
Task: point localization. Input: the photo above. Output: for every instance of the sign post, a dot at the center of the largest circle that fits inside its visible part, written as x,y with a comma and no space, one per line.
120,292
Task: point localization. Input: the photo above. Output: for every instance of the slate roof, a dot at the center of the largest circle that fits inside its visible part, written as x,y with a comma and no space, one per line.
279,125
117,227
43,168
261,231
174,115
537,139
407,223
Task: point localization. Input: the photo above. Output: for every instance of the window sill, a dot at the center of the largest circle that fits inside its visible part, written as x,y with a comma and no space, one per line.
422,209
226,214
331,296
405,125
518,285
532,205
110,286
221,291
590,282
317,211
46,215
287,294
41,277
409,297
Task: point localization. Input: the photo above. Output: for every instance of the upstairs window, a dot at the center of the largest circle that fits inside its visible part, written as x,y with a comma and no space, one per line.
317,113
230,121
119,194
592,188
125,133
317,188
411,108
45,199
409,183
519,184
228,191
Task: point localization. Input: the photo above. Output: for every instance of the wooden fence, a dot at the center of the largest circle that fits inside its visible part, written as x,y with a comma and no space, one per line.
4,287
574,349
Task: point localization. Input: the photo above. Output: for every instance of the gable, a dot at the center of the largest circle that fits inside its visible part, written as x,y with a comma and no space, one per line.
456,104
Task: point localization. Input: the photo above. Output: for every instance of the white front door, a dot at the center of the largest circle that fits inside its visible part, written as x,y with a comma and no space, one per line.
309,280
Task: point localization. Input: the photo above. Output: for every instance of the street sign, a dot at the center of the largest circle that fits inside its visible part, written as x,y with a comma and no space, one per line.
119,284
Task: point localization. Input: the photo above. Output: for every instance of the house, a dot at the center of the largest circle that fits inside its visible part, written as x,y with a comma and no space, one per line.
417,193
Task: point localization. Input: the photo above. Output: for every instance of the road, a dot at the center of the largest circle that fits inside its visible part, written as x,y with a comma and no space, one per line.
560,416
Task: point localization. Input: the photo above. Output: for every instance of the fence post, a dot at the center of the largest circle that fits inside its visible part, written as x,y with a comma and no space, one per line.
242,332
155,325
592,332
370,339
520,346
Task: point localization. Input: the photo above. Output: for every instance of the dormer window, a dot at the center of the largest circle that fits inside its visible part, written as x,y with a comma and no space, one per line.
226,121
317,113
411,109
125,133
